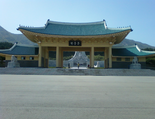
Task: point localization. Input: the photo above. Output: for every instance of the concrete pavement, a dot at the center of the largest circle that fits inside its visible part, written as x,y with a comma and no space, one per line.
77,97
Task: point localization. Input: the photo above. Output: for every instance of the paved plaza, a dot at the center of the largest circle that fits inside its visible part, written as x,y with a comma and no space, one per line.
77,97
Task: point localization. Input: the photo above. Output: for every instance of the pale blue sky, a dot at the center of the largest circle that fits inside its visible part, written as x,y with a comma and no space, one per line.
140,14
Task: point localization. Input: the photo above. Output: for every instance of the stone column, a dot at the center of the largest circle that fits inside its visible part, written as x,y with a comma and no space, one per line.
92,57
40,55
110,57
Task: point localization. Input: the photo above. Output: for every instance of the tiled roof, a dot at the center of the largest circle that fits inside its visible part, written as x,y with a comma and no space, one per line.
75,29
18,49
130,51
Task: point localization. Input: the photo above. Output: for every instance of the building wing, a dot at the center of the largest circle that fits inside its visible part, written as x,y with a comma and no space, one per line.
130,51
19,49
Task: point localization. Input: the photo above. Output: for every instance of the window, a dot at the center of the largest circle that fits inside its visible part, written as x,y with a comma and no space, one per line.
31,58
119,59
22,58
127,59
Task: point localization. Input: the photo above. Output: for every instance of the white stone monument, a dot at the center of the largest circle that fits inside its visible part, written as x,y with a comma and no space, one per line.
81,57
13,63
135,64
97,65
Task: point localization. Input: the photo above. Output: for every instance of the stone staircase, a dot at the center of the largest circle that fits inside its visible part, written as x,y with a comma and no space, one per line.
82,72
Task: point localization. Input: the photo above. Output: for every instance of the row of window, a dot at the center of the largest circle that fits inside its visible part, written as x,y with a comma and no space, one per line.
30,58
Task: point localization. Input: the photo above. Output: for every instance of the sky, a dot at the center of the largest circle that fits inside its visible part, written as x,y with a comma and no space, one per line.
139,14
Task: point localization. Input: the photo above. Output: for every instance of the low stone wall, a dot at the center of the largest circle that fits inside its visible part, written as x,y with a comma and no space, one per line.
79,72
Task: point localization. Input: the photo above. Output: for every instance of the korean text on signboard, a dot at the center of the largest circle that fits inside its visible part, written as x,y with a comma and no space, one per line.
74,43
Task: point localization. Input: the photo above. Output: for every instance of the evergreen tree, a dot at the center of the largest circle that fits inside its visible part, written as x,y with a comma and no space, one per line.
5,45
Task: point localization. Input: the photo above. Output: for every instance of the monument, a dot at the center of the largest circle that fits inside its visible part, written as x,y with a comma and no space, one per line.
13,63
79,56
97,65
135,64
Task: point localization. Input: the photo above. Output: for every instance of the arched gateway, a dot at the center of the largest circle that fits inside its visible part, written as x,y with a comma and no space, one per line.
60,37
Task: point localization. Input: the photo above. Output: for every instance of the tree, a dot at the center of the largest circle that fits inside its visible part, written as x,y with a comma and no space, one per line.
5,45
151,61
149,49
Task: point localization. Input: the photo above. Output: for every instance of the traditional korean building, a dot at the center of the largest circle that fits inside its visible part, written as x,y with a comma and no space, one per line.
60,37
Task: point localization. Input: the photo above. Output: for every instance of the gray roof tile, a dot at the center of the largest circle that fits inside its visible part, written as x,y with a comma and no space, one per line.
130,51
75,29
18,49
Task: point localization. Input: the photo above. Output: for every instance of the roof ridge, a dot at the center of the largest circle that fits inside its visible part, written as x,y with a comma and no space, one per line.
115,47
147,51
74,29
16,44
25,45
120,28
75,23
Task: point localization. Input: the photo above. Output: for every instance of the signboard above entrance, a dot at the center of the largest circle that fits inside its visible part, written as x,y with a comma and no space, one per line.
74,43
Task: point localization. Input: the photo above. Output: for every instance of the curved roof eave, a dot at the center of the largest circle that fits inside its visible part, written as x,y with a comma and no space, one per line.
71,23
133,50
81,35
61,23
75,29
17,49
58,35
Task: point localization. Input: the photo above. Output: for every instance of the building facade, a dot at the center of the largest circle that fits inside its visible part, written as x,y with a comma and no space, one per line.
60,37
